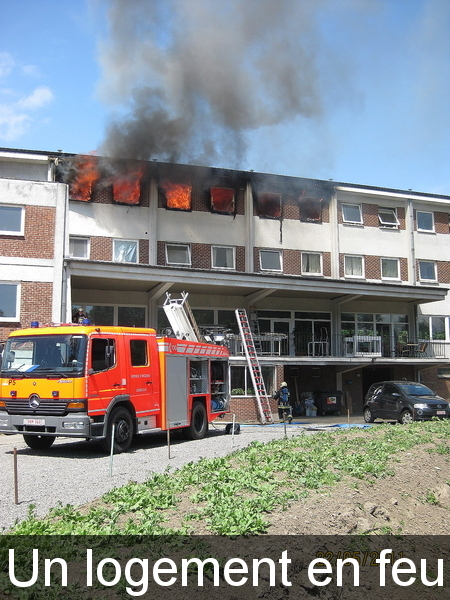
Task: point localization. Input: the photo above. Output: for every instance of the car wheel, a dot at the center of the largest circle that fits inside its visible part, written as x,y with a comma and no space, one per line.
199,423
406,417
368,416
39,442
123,431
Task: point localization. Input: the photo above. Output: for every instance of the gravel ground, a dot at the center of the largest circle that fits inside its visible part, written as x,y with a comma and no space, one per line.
76,472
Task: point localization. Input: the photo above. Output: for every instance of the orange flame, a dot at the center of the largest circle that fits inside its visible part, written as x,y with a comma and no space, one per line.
86,177
178,195
127,188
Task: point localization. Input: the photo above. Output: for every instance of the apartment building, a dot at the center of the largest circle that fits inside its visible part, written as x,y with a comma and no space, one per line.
344,284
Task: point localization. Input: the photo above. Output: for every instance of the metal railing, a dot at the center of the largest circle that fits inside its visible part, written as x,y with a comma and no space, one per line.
341,346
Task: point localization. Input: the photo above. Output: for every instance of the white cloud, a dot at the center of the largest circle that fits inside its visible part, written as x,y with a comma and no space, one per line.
41,96
13,123
16,109
7,64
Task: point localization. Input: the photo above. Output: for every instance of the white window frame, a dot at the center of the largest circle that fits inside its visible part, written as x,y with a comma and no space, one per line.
429,262
394,223
233,257
121,241
351,221
16,317
273,251
350,276
188,251
80,238
397,261
312,273
19,231
425,212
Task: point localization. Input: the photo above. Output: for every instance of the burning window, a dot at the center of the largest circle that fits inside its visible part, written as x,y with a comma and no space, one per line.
269,205
310,210
223,200
178,195
127,188
86,176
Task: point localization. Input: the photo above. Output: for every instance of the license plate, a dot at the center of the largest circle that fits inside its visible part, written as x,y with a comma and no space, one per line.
34,422
440,412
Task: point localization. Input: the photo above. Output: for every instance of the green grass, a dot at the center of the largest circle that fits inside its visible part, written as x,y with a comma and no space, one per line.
233,495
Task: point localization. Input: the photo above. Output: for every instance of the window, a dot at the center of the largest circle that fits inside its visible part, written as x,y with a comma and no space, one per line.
351,213
138,353
241,382
9,301
425,221
125,251
178,254
353,266
310,210
431,328
311,263
131,316
270,260
223,257
427,270
11,220
103,354
390,268
388,217
79,247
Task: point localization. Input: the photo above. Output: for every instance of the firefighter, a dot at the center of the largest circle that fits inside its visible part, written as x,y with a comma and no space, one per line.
284,408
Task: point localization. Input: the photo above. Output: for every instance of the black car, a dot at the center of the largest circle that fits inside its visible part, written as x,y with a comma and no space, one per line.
403,401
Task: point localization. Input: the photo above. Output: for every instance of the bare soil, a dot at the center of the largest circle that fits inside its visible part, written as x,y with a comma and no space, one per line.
413,500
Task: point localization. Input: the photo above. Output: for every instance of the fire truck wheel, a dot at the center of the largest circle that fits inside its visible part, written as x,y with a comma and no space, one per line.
199,422
39,442
123,431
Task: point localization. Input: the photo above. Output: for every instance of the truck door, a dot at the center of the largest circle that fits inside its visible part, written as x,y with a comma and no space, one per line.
105,379
143,375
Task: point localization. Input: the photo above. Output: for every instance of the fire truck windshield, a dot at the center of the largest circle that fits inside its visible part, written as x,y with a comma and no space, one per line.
41,355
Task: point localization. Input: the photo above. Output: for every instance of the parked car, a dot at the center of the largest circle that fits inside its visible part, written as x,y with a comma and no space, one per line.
403,401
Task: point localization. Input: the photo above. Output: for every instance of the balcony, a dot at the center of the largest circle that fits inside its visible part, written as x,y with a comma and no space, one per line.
339,346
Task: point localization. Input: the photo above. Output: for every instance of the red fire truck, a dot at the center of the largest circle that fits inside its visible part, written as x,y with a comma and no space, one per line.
87,381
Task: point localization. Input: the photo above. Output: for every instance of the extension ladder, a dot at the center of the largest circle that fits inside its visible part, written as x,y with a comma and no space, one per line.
253,364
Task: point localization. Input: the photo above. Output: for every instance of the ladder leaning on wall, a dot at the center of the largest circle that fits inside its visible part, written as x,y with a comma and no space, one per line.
248,343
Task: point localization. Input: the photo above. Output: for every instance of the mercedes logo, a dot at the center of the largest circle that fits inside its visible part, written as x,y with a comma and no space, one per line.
34,401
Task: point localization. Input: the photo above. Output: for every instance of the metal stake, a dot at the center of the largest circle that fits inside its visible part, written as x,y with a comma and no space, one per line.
168,437
232,430
112,449
16,482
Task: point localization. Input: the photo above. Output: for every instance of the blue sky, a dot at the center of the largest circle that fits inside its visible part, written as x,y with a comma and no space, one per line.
351,90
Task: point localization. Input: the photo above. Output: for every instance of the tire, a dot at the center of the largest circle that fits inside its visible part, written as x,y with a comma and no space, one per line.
199,423
406,417
39,442
123,431
368,416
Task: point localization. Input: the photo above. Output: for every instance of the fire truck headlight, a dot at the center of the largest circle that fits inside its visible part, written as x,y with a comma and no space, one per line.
73,424
3,422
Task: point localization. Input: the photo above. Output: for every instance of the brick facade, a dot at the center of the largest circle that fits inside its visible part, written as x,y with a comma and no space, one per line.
39,235
35,305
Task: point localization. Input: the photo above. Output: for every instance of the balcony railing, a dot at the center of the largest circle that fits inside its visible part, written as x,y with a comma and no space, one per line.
339,346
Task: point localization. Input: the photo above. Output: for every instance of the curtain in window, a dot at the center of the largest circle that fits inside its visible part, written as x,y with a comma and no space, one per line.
389,268
125,251
311,263
353,265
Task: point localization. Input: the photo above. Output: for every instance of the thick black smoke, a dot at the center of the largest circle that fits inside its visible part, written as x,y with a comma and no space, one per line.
191,78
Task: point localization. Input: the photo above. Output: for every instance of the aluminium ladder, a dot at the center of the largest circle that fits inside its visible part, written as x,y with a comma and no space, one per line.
253,364
181,318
